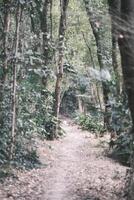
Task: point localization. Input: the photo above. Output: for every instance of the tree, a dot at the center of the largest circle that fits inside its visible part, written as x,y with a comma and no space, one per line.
96,28
14,65
126,44
7,20
5,46
62,29
45,30
114,10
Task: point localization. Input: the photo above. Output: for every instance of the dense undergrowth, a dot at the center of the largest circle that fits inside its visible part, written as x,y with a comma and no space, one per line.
120,123
90,123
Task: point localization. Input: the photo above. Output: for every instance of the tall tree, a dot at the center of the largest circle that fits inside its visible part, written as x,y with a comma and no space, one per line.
5,53
7,21
62,29
45,30
95,25
14,65
114,10
126,44
45,24
51,19
6,26
96,91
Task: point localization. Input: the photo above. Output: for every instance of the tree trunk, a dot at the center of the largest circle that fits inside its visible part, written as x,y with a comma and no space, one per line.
5,44
6,36
97,35
14,65
51,19
97,93
62,29
126,44
5,54
45,30
114,10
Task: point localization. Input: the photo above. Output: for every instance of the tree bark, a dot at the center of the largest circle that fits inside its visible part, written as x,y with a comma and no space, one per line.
5,44
114,10
45,30
62,29
3,79
97,35
97,93
51,19
6,36
14,65
126,44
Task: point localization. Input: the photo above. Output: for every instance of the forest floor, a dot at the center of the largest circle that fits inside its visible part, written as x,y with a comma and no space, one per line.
74,167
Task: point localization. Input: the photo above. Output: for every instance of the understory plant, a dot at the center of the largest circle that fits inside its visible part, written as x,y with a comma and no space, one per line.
122,150
90,123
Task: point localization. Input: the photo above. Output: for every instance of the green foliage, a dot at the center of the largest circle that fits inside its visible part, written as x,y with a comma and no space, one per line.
5,125
90,123
123,148
121,119
121,123
35,107
22,155
25,158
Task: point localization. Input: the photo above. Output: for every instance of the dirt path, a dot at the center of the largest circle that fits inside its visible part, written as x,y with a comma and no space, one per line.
76,170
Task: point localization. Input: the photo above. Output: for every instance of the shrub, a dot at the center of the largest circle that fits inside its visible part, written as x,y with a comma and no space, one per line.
87,122
123,148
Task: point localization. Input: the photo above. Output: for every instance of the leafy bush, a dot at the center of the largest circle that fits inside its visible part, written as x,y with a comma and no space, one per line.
121,124
5,125
120,116
25,158
123,148
87,122
34,116
35,107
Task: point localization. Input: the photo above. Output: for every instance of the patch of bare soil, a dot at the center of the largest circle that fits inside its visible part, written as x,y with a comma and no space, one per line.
74,168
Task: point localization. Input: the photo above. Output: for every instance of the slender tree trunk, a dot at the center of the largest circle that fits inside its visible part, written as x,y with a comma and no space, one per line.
62,29
51,19
45,30
5,54
97,35
6,36
5,44
93,64
114,10
126,44
14,65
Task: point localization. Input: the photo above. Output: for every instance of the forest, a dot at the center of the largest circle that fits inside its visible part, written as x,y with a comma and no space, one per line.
66,100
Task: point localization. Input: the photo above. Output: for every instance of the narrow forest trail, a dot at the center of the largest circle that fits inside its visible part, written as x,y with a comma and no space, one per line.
76,170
